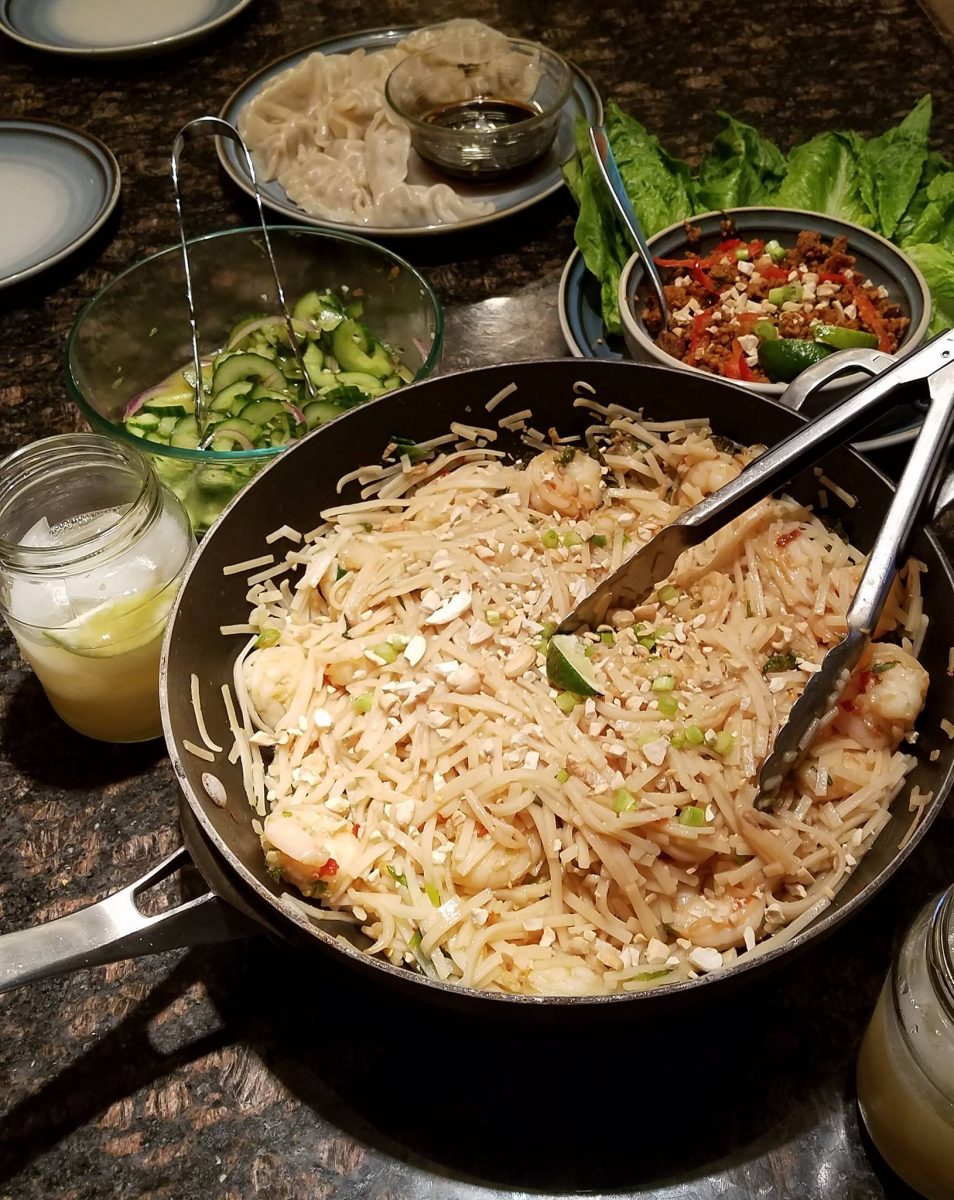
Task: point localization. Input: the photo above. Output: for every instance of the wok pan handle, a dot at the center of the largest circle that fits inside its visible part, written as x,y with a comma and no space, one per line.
116,928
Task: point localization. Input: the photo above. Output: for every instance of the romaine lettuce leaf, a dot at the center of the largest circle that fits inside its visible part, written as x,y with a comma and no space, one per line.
740,168
660,187
936,220
937,267
934,165
896,160
829,174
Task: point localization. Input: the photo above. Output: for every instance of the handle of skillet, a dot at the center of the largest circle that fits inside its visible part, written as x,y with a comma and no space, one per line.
806,446
115,928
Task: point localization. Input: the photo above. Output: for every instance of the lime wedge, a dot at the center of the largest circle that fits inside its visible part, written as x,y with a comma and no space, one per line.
568,668
117,626
784,358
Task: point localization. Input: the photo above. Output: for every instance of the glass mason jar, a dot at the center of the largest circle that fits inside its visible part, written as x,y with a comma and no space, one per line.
906,1061
92,550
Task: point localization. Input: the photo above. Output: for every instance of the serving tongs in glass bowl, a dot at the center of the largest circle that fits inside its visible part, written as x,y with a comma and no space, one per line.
215,126
926,374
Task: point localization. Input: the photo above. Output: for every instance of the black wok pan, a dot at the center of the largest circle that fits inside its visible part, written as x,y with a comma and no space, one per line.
293,491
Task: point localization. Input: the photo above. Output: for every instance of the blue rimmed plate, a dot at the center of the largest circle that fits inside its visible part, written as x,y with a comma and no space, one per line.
533,185
113,28
57,188
581,320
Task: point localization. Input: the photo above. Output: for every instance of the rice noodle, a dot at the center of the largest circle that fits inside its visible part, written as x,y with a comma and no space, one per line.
421,780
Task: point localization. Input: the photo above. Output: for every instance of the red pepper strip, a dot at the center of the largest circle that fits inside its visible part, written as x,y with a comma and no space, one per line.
735,366
747,321
330,868
756,247
728,244
682,262
704,280
870,317
836,278
785,539
699,323
779,274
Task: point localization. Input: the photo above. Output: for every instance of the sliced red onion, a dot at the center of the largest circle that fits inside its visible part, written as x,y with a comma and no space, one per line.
237,437
295,411
136,403
422,348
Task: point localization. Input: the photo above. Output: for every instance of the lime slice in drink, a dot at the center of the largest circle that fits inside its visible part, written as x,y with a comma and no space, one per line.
568,668
116,626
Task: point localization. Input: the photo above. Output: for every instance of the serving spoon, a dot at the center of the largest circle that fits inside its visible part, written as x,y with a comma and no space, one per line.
609,171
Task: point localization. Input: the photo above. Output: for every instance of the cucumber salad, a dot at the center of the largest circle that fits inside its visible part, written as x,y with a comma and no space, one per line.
256,397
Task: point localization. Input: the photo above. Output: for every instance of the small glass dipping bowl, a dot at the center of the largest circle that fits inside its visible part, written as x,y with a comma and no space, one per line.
480,107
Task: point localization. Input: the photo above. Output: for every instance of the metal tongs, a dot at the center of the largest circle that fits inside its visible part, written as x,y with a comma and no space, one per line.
927,373
219,128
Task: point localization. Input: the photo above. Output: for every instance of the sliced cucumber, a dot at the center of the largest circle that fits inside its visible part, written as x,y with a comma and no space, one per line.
355,351
359,379
320,412
322,308
142,421
167,426
314,360
186,433
232,398
260,412
171,404
231,368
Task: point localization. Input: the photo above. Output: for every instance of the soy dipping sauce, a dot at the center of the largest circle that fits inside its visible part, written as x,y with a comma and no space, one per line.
482,114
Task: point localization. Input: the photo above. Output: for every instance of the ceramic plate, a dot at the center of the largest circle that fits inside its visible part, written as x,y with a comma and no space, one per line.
57,187
540,180
581,321
113,28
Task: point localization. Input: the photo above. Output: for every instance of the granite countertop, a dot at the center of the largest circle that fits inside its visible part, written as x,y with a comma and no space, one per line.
249,1069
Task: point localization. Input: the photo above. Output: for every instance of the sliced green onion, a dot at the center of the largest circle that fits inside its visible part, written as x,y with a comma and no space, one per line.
562,776
340,573
268,637
694,735
432,894
362,703
646,976
668,593
572,538
742,254
677,739
765,330
550,539
416,939
664,683
624,800
492,617
782,295
723,743
397,875
567,701
386,651
648,641
693,815
668,705
607,637
589,651
880,667
775,250
598,539
779,662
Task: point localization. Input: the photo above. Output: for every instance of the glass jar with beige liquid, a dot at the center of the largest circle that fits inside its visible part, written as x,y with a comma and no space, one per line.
906,1061
92,551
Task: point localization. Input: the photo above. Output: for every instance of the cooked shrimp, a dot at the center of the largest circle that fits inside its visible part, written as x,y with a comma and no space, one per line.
883,699
558,980
310,847
272,675
570,489
499,867
709,474
716,921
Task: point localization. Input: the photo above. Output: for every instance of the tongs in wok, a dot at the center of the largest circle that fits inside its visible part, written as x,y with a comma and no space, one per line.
927,373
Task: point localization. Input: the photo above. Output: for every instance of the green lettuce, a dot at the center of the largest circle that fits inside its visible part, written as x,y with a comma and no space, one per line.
741,168
660,186
829,174
896,160
937,267
935,222
935,164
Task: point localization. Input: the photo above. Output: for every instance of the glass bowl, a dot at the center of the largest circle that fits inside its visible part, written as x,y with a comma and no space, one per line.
480,107
135,332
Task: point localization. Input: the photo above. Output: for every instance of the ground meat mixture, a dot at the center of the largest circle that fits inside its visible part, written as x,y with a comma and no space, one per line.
725,303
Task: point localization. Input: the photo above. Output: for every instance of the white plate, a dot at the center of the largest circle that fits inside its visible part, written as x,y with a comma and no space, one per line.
537,182
113,28
57,187
581,320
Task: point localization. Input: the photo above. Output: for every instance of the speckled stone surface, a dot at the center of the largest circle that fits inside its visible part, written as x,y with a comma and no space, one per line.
247,1069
